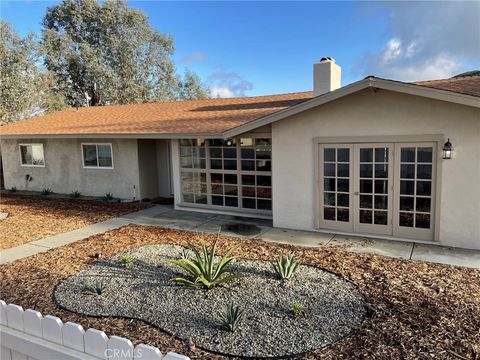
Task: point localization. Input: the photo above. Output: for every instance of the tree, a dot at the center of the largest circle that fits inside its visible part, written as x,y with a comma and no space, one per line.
25,88
108,53
191,87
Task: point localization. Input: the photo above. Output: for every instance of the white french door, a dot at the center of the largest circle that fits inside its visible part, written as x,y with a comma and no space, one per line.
378,188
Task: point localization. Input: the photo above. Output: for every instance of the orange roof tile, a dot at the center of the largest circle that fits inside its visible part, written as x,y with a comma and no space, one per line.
176,117
468,83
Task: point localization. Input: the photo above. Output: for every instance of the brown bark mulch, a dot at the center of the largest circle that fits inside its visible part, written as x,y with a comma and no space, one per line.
35,217
419,310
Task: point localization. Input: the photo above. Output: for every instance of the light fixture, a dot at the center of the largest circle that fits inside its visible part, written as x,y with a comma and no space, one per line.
447,150
228,142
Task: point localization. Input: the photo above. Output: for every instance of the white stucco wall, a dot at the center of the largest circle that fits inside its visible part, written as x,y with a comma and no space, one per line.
64,172
369,113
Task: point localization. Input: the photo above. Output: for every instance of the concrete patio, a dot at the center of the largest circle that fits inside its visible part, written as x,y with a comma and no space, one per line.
166,216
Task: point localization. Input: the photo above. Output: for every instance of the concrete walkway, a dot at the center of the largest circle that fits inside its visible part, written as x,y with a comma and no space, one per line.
166,216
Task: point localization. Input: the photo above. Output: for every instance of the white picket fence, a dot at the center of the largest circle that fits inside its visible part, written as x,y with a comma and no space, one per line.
28,335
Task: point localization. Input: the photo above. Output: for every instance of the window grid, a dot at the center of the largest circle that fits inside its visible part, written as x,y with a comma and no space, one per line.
416,187
222,167
336,177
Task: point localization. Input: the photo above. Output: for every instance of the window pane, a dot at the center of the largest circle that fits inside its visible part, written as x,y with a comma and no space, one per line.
343,215
329,169
407,187
423,204
231,201
343,185
248,153
188,198
424,188
231,190
217,200
230,152
264,204
248,165
329,154
246,142
26,152
186,162
342,200
216,164
381,155
216,178
248,191
104,155
381,202
366,186
329,213
406,203
248,179
90,155
407,155
37,155
365,216
264,165
407,171
329,198
229,164
424,171
381,170
366,155
264,192
422,221
264,153
366,201
343,155
217,189
380,218
424,155
366,170
264,181
230,178
381,186
216,153
201,199
185,151
248,203
343,170
406,219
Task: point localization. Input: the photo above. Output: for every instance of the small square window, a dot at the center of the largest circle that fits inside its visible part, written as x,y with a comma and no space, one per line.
98,156
32,155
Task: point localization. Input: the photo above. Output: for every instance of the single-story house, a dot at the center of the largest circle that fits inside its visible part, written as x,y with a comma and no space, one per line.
376,158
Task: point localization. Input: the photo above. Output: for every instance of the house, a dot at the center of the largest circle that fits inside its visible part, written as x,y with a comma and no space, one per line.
364,159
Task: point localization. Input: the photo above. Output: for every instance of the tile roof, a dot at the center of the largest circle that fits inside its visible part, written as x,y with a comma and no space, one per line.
468,83
176,117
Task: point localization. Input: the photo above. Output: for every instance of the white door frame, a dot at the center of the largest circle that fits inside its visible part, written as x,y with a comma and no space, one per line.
436,139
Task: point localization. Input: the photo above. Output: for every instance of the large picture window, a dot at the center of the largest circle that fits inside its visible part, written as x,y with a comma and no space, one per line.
32,155
97,156
233,174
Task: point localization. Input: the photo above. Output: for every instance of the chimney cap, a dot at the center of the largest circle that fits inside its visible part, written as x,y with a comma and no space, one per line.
327,58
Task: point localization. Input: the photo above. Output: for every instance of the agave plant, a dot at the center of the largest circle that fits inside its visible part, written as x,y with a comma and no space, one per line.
126,260
98,288
285,266
202,266
229,317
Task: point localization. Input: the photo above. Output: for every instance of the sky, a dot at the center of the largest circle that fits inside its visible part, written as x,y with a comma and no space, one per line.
258,48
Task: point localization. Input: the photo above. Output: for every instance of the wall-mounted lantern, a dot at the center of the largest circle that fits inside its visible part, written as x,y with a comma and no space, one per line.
228,142
447,150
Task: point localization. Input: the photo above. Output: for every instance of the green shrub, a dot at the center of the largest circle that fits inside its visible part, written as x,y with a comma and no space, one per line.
229,317
75,194
13,189
297,308
285,266
108,196
126,260
98,288
46,191
203,268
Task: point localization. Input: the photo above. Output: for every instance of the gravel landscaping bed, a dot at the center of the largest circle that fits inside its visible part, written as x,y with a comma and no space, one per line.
419,310
35,217
145,290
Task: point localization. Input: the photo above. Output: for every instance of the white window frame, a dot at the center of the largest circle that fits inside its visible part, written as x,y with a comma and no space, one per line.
30,165
96,146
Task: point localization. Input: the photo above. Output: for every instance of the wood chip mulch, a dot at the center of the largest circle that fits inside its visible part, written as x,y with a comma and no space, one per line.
418,310
35,217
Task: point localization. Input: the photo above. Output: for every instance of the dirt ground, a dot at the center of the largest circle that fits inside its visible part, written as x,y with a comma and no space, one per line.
35,217
418,310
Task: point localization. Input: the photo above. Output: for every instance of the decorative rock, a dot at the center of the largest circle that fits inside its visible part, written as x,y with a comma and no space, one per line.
3,215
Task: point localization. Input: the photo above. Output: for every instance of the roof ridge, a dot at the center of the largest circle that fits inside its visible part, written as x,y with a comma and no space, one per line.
454,78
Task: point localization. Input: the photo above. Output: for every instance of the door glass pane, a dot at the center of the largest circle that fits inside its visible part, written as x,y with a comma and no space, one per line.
343,155
329,154
366,186
366,155
416,208
329,213
381,155
336,184
381,202
380,218
365,217
366,170
381,171
366,201
407,155
343,185
343,215
381,186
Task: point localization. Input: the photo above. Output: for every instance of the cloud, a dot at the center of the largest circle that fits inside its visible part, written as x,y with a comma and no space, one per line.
228,84
193,57
428,41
